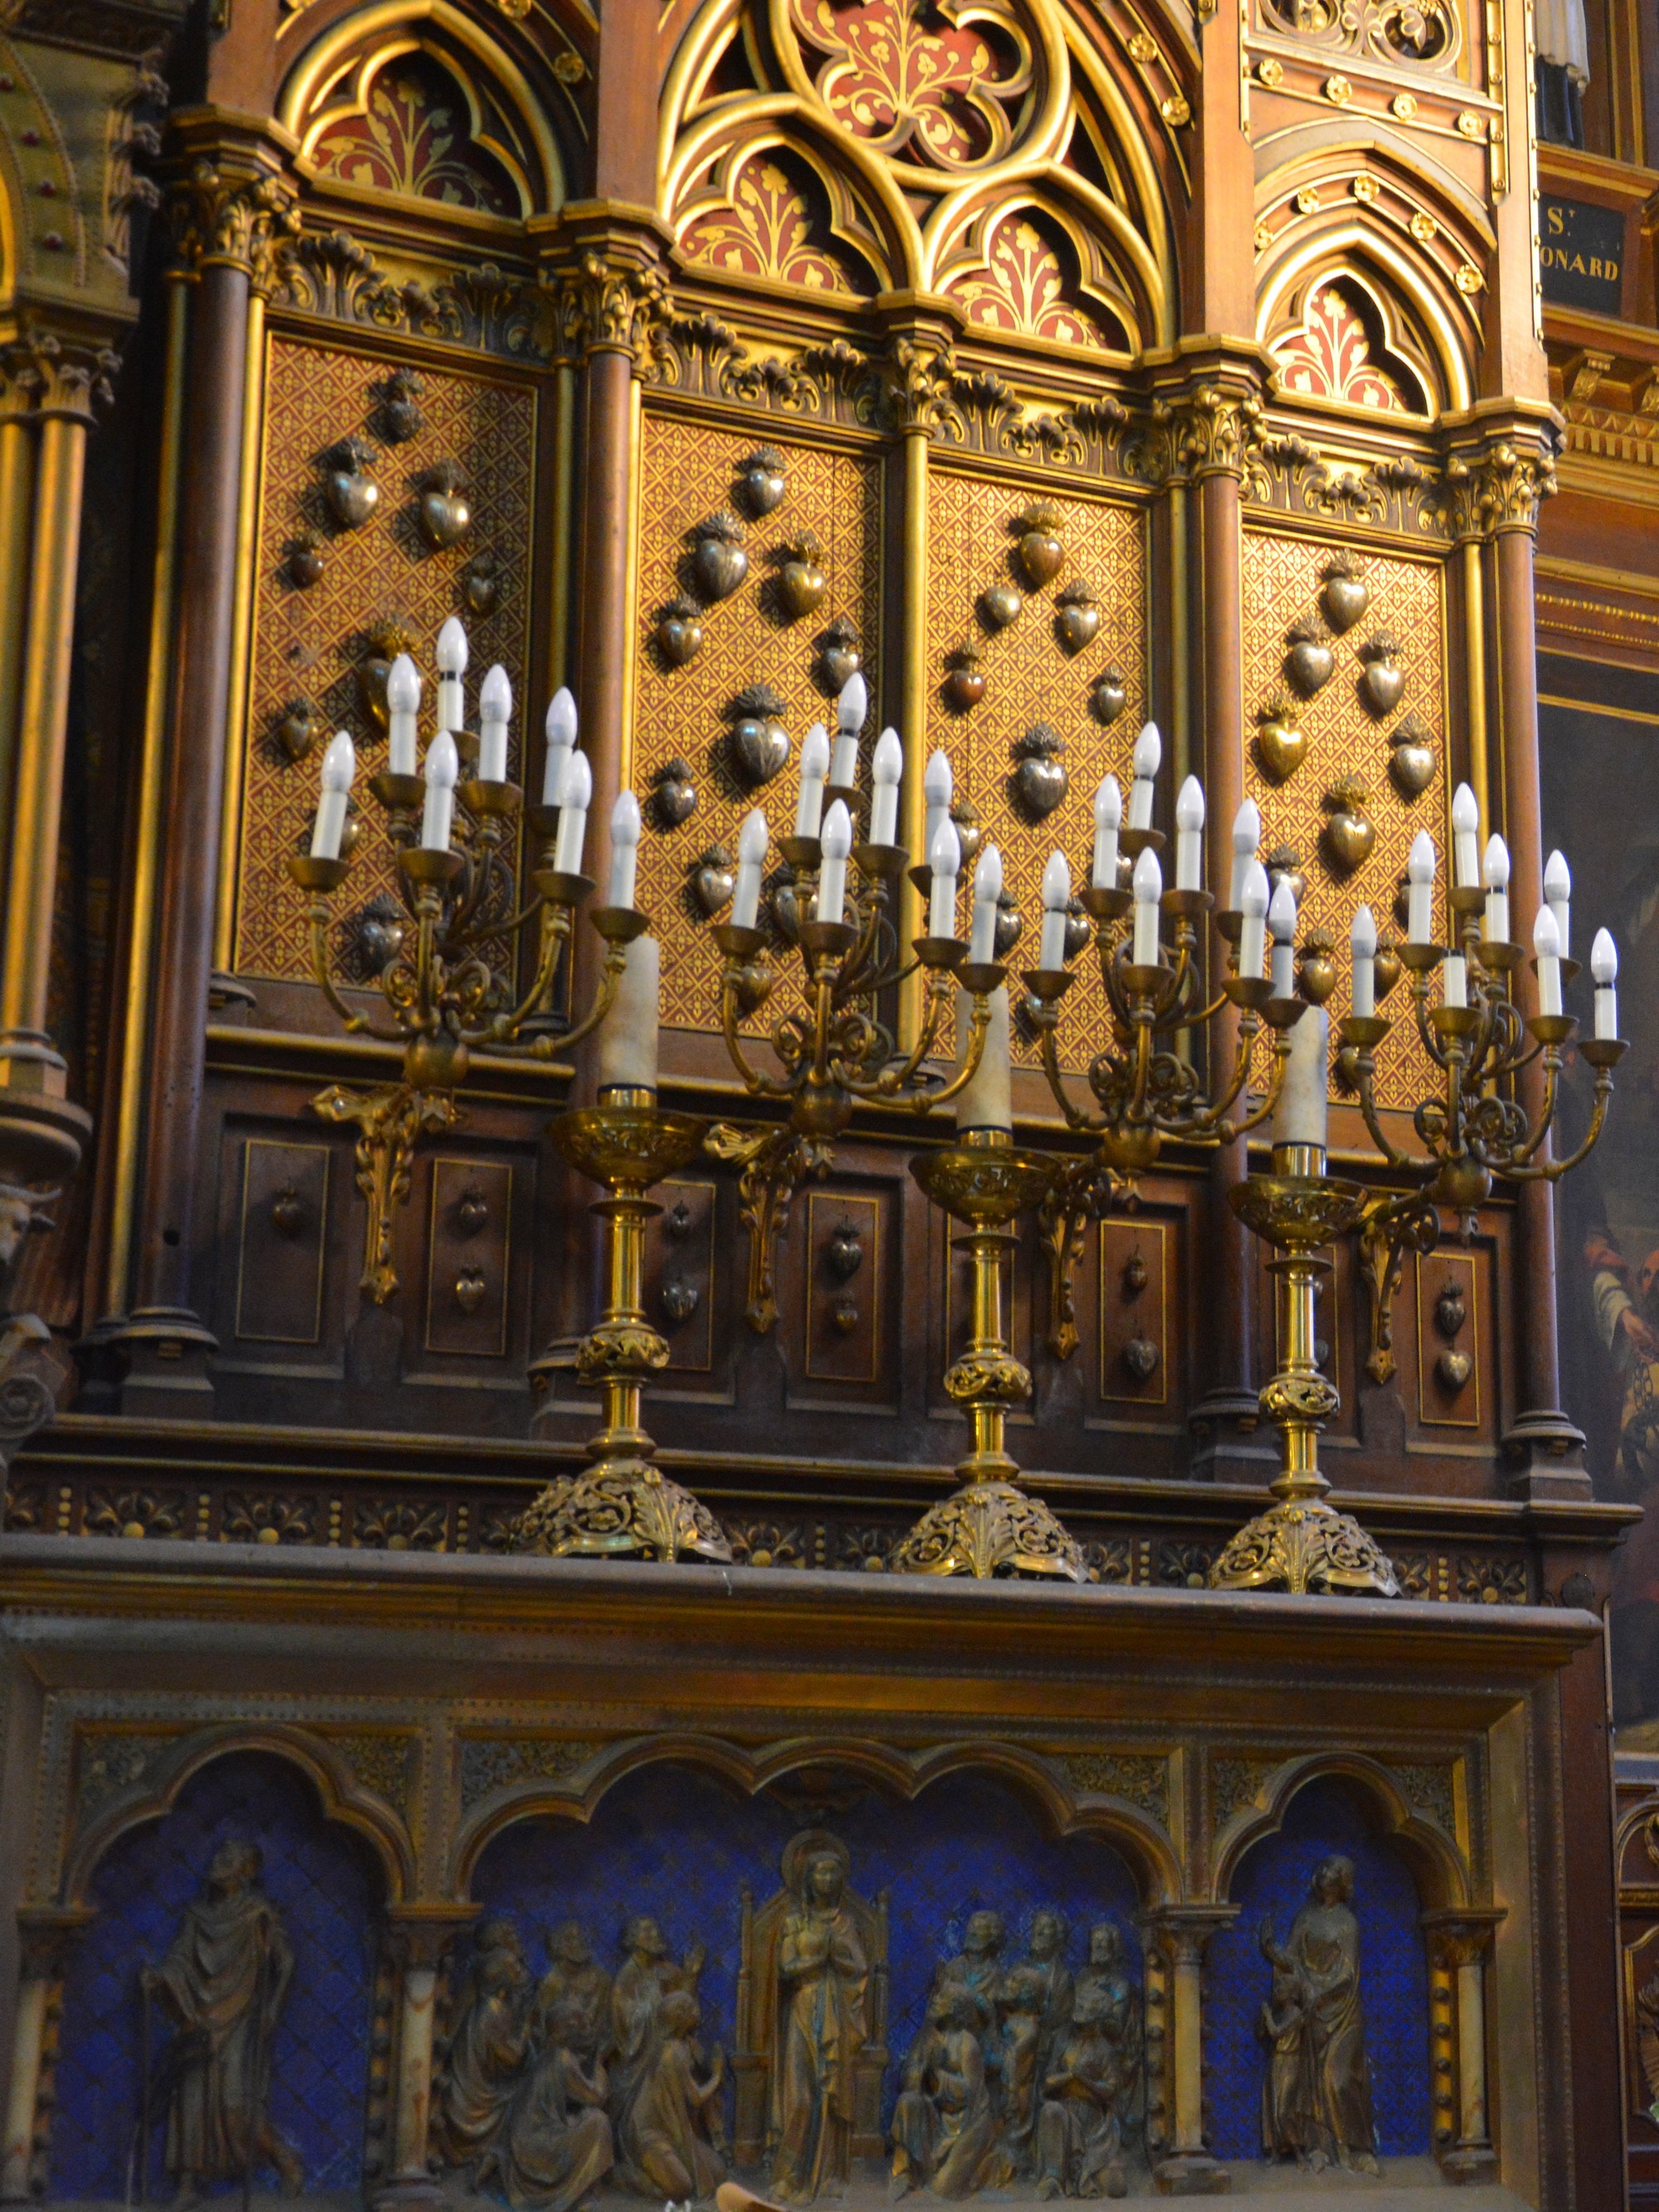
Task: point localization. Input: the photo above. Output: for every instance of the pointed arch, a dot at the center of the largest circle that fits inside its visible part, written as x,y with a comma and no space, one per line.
763,208
341,1796
1143,1845
1437,1865
1423,324
330,92
1085,261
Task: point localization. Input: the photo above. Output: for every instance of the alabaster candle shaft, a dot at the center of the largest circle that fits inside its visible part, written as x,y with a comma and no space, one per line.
1299,1115
987,1103
628,1033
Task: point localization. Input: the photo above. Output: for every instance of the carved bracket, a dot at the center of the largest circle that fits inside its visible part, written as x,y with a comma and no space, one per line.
391,1119
1388,1228
776,1162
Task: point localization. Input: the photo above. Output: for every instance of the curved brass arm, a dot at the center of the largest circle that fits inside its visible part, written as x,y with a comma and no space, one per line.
894,1079
356,1024
1077,1117
1212,1117
979,1024
1552,1170
1529,1150
757,1084
503,1029
1261,1111
610,976
1364,1073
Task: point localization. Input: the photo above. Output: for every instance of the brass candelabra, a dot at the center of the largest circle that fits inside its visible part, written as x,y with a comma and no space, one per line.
834,1050
441,982
989,1526
1146,1084
620,1501
1474,1129
1301,1543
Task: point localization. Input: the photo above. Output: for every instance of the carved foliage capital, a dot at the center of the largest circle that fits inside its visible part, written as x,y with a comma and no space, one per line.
42,374
230,217
1501,489
1214,429
611,307
917,376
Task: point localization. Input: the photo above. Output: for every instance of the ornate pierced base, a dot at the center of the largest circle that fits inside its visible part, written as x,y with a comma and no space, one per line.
615,1507
1302,1545
988,1529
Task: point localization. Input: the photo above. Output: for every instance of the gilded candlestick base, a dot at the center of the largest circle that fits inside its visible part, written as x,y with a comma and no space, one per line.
1300,1544
990,1526
621,1501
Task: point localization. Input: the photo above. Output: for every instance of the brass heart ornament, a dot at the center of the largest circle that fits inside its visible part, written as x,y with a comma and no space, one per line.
1281,744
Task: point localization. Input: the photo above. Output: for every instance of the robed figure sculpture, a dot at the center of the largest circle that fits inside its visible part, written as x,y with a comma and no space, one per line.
811,2024
223,1982
1317,2095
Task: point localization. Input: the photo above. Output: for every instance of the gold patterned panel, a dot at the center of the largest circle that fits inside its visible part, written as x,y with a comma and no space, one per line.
1030,678
308,643
1282,576
690,469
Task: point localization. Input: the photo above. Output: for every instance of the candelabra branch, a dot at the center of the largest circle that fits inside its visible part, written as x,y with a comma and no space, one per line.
444,994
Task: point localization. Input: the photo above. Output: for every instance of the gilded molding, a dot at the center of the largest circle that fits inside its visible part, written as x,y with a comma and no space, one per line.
485,308
42,374
608,305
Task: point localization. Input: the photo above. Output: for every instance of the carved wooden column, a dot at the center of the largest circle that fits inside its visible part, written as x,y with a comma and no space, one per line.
1214,425
420,1935
228,203
1513,473
1458,1943
44,1935
51,382
1181,1933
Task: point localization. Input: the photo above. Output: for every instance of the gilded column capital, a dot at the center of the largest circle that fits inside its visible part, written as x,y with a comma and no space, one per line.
230,200
1500,484
1182,1932
44,1933
611,288
419,1935
1459,1934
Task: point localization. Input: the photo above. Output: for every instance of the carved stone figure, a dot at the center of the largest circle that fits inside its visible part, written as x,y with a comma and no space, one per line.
1080,2135
557,2143
668,2148
823,1975
646,1976
943,2128
487,2051
1022,2058
573,1977
978,1963
223,1981
1047,1957
812,2019
1317,2101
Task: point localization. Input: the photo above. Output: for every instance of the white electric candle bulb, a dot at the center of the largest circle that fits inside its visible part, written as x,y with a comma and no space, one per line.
575,796
339,766
494,712
814,775
627,1035
1190,834
937,788
832,876
886,767
1247,835
1148,752
1300,1110
988,889
1253,903
561,727
1362,942
1557,890
851,708
1547,951
1147,884
624,849
1109,819
1604,967
986,1101
1419,893
403,700
1495,868
1457,974
945,857
1282,927
451,666
443,766
1466,833
1057,897
752,841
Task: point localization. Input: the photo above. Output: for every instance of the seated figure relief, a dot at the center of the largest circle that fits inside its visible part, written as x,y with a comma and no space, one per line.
1317,2092
944,2127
